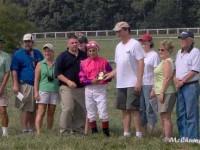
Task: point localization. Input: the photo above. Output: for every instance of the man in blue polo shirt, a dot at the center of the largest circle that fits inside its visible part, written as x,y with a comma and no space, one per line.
23,69
72,92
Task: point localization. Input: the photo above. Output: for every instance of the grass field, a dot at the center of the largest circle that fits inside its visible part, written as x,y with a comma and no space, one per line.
53,141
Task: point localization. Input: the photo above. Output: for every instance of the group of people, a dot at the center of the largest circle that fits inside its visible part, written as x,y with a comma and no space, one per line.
79,77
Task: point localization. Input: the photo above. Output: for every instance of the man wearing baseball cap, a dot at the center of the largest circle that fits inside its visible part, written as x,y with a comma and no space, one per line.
82,43
186,79
129,58
23,66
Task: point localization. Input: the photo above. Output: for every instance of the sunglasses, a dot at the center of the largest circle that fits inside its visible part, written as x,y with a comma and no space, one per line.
161,50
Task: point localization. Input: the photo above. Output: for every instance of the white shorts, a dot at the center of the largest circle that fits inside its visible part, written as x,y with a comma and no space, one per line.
48,98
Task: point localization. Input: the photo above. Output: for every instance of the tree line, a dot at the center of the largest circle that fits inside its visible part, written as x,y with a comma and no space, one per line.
22,16
67,15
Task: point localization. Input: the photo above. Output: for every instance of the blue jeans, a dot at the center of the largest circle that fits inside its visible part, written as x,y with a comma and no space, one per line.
147,114
187,110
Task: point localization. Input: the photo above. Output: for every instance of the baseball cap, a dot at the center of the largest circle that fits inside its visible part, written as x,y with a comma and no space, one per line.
82,39
146,37
186,34
49,45
28,37
92,44
121,25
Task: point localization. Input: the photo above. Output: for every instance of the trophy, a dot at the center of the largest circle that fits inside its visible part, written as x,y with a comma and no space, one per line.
100,75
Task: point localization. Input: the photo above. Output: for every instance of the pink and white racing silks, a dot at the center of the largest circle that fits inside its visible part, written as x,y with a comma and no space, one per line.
90,69
95,94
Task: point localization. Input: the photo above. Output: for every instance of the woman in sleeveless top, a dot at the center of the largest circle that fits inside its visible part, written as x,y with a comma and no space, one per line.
46,89
164,87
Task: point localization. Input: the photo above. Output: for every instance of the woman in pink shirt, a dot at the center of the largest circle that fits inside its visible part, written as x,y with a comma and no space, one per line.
92,71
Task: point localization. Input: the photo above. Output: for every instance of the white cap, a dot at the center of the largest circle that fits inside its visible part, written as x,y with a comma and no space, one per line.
28,37
121,25
49,45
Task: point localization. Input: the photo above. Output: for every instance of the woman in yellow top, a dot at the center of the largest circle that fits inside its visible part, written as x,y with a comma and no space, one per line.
164,87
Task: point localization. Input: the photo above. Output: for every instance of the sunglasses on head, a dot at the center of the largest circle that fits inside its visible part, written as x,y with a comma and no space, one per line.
160,49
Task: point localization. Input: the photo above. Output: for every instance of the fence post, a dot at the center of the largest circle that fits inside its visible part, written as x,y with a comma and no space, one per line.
106,32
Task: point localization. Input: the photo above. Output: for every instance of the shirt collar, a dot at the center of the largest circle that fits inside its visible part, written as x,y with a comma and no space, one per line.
189,50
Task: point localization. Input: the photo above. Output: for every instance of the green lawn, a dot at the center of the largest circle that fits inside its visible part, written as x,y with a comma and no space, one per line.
54,141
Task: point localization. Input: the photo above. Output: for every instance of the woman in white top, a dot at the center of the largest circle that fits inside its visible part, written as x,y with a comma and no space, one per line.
151,60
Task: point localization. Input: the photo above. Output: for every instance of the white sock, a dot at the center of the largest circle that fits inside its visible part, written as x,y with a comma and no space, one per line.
5,130
127,134
139,134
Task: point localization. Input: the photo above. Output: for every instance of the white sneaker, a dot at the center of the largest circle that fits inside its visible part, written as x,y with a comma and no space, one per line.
5,134
166,139
138,138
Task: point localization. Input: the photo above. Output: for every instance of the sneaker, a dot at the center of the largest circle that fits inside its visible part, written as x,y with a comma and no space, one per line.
5,134
25,132
30,131
124,137
138,138
166,139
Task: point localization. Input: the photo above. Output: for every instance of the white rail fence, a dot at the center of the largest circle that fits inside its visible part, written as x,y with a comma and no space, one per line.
112,33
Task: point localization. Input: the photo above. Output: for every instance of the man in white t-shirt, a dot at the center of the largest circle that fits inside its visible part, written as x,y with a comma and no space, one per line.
129,59
186,79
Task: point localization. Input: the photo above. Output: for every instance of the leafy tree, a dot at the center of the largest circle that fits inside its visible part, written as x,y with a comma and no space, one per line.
13,25
66,15
165,14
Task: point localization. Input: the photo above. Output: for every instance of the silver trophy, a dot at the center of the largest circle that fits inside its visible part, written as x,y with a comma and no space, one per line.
100,75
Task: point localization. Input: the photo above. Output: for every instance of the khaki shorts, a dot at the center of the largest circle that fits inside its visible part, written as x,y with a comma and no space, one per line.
127,98
48,98
4,100
169,102
28,102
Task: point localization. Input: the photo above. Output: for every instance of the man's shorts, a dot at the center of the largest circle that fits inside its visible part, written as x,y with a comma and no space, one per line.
48,98
127,98
28,102
4,100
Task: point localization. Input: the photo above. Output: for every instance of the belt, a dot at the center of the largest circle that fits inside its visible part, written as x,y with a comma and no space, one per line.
192,82
23,82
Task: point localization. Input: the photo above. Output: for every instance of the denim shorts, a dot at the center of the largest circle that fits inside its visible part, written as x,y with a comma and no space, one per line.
127,98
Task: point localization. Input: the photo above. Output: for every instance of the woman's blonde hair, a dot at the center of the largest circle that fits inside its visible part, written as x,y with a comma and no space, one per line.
168,45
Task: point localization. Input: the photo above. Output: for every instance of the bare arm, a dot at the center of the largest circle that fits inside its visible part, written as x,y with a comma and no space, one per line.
4,82
167,70
179,83
15,82
188,76
36,81
70,83
139,75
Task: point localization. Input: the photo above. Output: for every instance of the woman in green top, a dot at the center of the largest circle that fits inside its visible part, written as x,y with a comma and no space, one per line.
164,87
46,88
